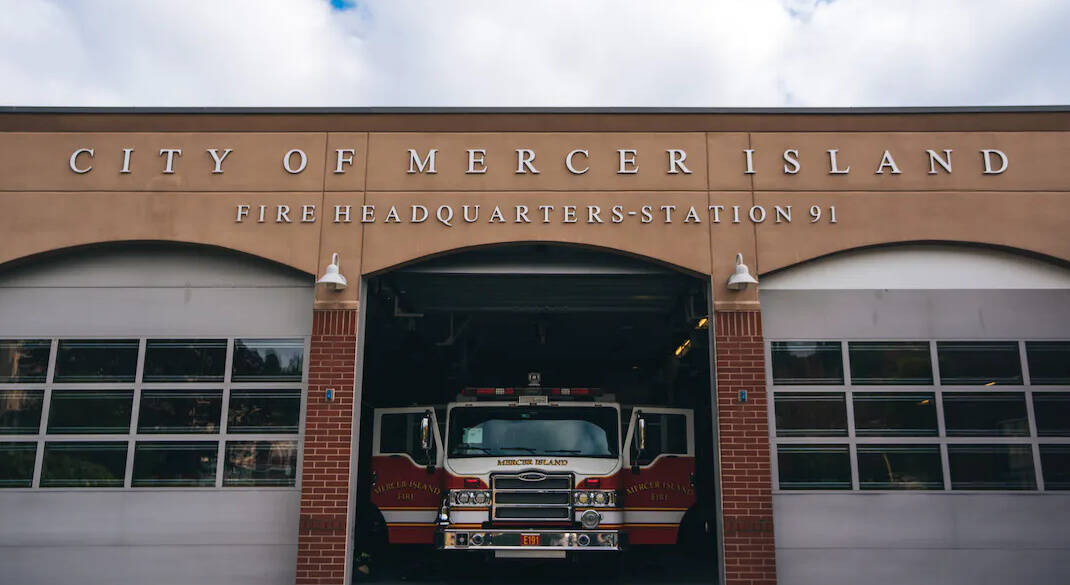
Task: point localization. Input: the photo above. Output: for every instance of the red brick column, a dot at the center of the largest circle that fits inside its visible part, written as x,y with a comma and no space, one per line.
325,514
743,438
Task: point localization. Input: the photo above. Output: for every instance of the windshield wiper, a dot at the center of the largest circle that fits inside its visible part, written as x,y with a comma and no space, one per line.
570,451
473,447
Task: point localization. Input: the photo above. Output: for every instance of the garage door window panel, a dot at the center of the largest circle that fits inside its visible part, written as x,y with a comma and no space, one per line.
175,464
96,360
1049,362
268,360
185,360
264,411
895,414
977,414
20,411
90,411
84,464
24,361
890,363
16,464
991,467
180,411
981,363
900,467
260,463
814,467
1052,411
811,414
807,363
1055,463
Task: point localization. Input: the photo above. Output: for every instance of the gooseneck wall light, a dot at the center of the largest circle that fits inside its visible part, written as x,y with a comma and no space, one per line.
332,277
742,276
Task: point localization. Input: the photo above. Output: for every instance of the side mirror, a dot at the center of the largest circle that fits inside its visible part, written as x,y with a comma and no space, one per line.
640,441
425,433
425,441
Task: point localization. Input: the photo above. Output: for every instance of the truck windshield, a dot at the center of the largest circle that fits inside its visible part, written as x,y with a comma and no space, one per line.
480,431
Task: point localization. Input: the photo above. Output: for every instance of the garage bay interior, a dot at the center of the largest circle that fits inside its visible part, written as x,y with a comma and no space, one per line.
581,320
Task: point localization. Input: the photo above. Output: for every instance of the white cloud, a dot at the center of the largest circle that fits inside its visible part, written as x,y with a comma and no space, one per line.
548,53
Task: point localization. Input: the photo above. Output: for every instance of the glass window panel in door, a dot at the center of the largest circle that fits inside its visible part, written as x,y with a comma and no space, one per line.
24,360
982,414
890,363
16,464
981,363
96,360
180,411
264,360
807,362
264,411
814,467
991,467
1049,362
666,433
1052,412
20,411
1055,464
90,411
812,414
175,463
900,467
84,464
185,360
895,414
260,463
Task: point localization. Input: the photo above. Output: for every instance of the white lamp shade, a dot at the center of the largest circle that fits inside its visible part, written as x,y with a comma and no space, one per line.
742,277
332,277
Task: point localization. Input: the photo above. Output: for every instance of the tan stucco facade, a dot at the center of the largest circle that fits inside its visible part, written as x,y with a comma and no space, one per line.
690,189
740,175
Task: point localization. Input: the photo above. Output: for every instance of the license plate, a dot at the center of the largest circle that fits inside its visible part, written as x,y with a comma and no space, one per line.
529,540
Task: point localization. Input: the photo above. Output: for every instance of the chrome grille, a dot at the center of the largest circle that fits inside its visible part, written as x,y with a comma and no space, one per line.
531,495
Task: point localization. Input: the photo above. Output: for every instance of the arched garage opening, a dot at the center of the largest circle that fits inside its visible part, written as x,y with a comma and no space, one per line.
514,350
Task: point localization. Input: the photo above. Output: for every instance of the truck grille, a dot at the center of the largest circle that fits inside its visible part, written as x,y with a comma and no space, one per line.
532,496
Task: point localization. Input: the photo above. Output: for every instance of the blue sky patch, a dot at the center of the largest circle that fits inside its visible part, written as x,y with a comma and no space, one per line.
343,4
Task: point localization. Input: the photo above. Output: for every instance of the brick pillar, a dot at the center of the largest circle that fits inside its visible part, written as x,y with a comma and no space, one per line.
743,436
325,474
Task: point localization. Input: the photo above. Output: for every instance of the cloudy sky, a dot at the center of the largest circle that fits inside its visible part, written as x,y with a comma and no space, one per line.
535,53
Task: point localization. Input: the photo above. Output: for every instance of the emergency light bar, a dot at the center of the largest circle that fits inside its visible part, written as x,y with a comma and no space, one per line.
489,392
530,391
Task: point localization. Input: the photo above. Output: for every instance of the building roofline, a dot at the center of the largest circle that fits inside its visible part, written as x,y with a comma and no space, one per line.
1053,118
139,110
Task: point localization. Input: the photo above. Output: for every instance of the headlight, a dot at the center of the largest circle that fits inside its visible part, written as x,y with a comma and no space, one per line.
596,498
590,519
469,497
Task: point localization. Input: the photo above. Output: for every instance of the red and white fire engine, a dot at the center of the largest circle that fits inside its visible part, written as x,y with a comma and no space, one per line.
533,472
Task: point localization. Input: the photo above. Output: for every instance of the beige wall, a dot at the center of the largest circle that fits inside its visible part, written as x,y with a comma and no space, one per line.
45,206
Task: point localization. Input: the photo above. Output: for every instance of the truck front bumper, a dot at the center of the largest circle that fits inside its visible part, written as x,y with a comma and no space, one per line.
536,539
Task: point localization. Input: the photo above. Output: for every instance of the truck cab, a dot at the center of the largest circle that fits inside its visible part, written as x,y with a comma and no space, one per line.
533,472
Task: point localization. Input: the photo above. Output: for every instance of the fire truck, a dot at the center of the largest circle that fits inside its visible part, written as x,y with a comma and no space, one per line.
533,472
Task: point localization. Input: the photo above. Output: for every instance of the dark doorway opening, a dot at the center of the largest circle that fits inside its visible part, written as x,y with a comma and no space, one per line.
578,317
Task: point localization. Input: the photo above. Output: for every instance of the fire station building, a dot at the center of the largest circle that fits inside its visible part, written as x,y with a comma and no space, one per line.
866,311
